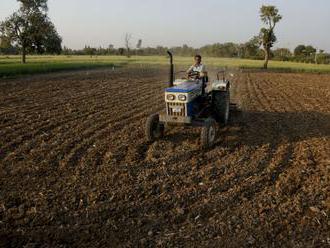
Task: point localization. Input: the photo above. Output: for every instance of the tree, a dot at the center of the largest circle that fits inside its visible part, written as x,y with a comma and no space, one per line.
282,54
139,44
310,51
67,51
91,51
270,17
51,42
251,49
299,50
139,50
121,51
128,38
6,47
110,49
30,29
306,54
323,58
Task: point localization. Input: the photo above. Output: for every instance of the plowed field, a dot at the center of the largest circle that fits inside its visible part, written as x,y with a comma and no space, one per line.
76,170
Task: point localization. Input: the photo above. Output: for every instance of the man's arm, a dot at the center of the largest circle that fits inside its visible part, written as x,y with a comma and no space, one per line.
203,71
190,69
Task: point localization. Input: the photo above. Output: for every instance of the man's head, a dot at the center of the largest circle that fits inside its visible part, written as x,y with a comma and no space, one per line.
198,59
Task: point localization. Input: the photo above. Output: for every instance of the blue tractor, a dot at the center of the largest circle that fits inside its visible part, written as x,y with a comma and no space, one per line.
192,101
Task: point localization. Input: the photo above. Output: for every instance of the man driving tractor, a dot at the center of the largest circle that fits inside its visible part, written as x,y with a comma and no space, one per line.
197,70
192,101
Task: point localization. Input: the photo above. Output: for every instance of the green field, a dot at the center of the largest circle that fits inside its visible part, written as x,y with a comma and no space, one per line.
10,65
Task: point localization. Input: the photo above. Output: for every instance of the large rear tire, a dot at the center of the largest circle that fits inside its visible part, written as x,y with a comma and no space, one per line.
153,129
209,133
221,104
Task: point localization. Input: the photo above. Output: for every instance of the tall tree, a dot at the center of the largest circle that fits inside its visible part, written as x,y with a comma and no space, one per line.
270,17
30,29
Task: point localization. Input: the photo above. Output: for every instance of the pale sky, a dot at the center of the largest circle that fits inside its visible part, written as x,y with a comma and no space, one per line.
178,22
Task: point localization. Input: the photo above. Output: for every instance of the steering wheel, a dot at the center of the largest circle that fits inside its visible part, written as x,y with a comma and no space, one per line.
194,74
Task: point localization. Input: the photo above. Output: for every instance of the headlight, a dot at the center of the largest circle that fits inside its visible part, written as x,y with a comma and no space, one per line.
170,97
182,97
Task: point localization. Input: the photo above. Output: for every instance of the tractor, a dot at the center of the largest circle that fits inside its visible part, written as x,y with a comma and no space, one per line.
192,101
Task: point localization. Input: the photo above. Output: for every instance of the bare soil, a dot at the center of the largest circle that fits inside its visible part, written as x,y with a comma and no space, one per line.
76,170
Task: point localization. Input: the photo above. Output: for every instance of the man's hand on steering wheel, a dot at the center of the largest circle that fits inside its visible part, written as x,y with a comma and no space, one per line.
194,74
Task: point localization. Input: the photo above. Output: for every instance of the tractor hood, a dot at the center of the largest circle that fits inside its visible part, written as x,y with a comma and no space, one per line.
185,87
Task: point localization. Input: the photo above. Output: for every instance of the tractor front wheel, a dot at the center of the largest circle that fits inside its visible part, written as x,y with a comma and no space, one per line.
154,129
209,133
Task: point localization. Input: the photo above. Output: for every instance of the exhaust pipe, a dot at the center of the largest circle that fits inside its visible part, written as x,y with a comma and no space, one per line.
171,74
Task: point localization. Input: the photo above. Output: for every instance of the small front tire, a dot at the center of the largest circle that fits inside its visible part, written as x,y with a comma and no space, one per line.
209,133
154,129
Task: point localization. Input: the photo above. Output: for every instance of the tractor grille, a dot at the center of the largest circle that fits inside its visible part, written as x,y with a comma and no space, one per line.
176,109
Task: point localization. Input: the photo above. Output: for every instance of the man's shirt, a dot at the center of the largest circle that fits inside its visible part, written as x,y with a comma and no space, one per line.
198,68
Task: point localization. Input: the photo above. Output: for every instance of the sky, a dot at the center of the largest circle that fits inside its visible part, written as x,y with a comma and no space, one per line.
177,22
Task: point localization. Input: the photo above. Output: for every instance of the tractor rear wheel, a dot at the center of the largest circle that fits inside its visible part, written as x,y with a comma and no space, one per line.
209,133
153,129
221,104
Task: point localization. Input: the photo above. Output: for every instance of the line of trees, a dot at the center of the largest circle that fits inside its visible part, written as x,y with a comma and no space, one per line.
248,50
29,30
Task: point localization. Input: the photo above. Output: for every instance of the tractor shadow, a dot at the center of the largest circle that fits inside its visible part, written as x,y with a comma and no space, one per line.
257,128
254,128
